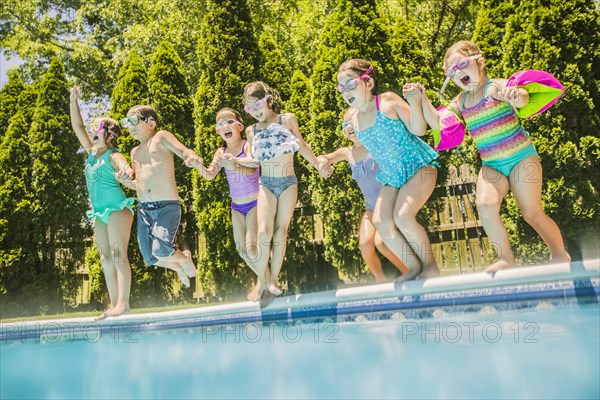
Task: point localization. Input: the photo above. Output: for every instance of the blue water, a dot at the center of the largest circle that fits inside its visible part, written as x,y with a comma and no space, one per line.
534,354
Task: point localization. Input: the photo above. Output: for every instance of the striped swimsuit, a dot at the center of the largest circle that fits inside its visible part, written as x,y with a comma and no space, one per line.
495,128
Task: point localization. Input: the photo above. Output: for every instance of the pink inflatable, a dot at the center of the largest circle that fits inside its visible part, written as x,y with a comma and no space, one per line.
543,88
452,132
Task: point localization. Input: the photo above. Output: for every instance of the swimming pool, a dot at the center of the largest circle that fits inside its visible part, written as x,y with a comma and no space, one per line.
527,333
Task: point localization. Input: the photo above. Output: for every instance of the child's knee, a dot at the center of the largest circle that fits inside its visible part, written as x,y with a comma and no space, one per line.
405,222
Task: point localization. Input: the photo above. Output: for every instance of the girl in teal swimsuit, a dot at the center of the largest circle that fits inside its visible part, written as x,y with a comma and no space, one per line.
111,209
509,159
407,171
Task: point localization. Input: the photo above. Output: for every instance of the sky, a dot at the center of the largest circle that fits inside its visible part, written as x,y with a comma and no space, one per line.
4,65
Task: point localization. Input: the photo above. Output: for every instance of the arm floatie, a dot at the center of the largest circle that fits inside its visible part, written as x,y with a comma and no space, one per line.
452,131
543,88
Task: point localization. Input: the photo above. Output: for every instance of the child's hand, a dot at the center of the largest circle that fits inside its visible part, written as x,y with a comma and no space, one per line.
325,169
193,161
514,96
125,176
75,93
413,93
227,159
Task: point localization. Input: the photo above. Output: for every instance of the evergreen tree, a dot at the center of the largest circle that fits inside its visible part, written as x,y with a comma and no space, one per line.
562,38
131,90
228,39
173,103
273,67
60,199
9,100
352,31
16,258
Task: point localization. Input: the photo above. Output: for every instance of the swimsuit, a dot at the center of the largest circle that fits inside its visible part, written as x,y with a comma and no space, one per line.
273,141
242,185
158,225
399,153
501,140
364,172
106,194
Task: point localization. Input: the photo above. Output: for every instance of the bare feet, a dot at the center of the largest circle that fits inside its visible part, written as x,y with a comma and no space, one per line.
185,281
256,294
429,272
380,279
562,258
407,277
104,314
274,289
498,265
253,293
188,266
119,309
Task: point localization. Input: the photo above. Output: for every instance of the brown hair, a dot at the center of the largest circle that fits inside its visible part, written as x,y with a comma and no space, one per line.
112,131
237,115
144,111
260,90
359,66
464,47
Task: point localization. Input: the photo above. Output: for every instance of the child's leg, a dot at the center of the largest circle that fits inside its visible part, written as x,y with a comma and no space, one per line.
387,253
183,258
285,211
110,272
526,185
492,186
238,221
173,266
383,219
366,243
119,228
266,209
411,197
251,244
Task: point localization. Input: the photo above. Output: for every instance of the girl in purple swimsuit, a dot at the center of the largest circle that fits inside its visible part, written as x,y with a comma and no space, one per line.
243,183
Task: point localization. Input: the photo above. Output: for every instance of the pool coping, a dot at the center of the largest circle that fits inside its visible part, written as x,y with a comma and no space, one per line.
414,299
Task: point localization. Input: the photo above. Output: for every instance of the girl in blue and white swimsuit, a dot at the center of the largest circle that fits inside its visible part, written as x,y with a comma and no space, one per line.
273,141
407,169
364,170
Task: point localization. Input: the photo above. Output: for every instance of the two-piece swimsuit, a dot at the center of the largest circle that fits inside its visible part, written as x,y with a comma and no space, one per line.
242,185
273,141
497,132
399,153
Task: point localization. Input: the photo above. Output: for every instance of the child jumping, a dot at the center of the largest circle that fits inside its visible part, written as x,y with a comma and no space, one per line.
364,169
273,141
509,158
159,210
243,184
385,126
111,209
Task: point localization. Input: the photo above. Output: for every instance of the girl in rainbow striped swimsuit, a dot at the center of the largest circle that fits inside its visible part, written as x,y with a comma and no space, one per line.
509,158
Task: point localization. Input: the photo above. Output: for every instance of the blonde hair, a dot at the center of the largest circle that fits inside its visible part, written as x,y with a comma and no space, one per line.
464,47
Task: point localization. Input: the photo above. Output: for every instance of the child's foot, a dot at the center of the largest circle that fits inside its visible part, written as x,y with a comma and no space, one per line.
562,258
257,292
380,279
429,272
188,266
407,277
185,281
498,265
253,293
119,309
104,315
274,289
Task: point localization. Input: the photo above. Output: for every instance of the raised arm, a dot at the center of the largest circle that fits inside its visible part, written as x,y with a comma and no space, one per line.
77,121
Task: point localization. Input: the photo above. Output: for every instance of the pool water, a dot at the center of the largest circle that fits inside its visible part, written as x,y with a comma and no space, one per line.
516,354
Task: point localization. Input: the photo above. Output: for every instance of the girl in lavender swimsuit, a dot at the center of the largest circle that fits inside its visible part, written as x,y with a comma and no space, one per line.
243,183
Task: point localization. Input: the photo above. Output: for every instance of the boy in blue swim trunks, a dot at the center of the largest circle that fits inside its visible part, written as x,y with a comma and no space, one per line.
159,210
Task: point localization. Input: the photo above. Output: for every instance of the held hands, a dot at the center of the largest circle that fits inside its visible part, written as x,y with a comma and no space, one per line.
126,176
75,93
227,159
325,169
193,161
413,93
